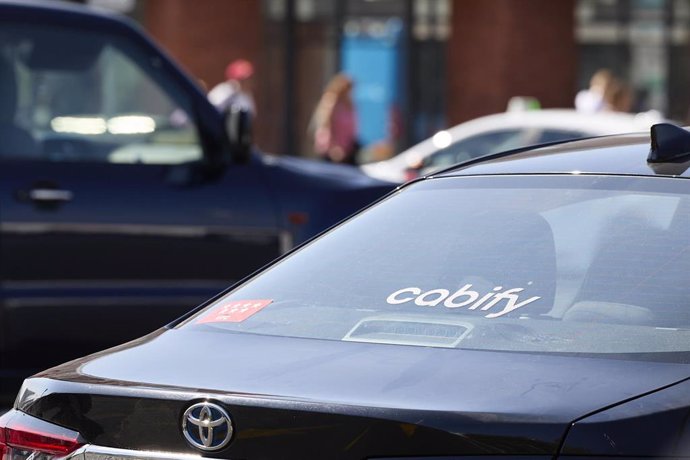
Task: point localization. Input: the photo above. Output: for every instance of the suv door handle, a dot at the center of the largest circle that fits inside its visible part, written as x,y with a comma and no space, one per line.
44,195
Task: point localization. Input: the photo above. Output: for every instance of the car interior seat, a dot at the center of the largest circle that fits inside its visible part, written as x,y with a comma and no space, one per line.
511,250
639,275
16,141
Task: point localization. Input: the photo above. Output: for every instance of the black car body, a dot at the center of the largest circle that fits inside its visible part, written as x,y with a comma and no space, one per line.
532,303
123,202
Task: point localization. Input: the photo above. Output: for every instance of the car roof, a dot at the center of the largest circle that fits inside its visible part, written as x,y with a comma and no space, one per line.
594,124
591,124
559,118
612,155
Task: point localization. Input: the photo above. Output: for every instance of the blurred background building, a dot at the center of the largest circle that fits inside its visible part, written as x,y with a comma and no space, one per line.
423,65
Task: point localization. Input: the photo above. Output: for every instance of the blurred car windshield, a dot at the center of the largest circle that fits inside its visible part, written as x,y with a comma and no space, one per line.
569,264
494,142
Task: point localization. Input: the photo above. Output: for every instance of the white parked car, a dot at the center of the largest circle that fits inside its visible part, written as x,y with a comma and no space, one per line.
503,131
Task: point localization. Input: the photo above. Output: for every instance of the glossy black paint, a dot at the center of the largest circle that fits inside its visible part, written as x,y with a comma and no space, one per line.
301,397
669,143
648,426
137,245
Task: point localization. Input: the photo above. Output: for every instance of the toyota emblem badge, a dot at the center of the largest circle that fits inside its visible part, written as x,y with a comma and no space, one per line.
207,426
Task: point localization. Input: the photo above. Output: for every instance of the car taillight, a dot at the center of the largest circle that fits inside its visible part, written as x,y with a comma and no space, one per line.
23,437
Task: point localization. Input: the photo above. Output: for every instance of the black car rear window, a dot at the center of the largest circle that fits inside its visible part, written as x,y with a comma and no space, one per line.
571,264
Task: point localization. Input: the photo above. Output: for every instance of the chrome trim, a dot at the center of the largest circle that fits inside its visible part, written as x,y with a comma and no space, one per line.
179,231
43,194
286,241
205,424
93,452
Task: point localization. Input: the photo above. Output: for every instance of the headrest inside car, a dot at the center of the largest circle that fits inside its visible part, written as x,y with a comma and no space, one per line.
61,50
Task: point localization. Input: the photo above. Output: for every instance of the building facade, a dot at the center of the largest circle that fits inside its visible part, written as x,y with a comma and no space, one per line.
422,65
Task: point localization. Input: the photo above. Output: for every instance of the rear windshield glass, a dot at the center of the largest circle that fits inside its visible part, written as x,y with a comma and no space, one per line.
562,264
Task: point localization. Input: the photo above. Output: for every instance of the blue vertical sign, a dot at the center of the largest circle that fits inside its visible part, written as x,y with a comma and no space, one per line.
371,55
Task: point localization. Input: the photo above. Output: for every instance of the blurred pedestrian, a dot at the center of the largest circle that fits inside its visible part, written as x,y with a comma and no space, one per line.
236,90
591,100
618,97
335,122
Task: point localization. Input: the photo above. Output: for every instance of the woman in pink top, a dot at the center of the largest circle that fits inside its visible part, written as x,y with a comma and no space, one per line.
335,136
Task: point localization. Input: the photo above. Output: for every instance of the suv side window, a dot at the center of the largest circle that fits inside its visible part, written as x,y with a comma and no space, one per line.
74,95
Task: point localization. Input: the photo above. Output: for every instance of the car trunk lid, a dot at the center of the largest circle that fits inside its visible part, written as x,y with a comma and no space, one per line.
304,397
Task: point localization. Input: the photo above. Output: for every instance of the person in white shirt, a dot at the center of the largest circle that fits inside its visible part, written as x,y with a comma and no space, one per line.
591,100
236,90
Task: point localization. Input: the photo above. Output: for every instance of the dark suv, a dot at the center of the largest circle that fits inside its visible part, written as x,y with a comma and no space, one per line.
125,197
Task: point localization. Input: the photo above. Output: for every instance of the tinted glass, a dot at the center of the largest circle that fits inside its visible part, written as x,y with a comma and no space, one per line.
554,135
77,95
575,264
494,142
472,147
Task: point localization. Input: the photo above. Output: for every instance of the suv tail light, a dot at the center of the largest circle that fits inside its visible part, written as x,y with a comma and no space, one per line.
23,437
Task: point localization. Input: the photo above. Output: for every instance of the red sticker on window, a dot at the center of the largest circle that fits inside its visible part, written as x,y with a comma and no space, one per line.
235,311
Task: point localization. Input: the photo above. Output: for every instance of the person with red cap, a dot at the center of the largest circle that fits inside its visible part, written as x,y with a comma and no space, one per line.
236,90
